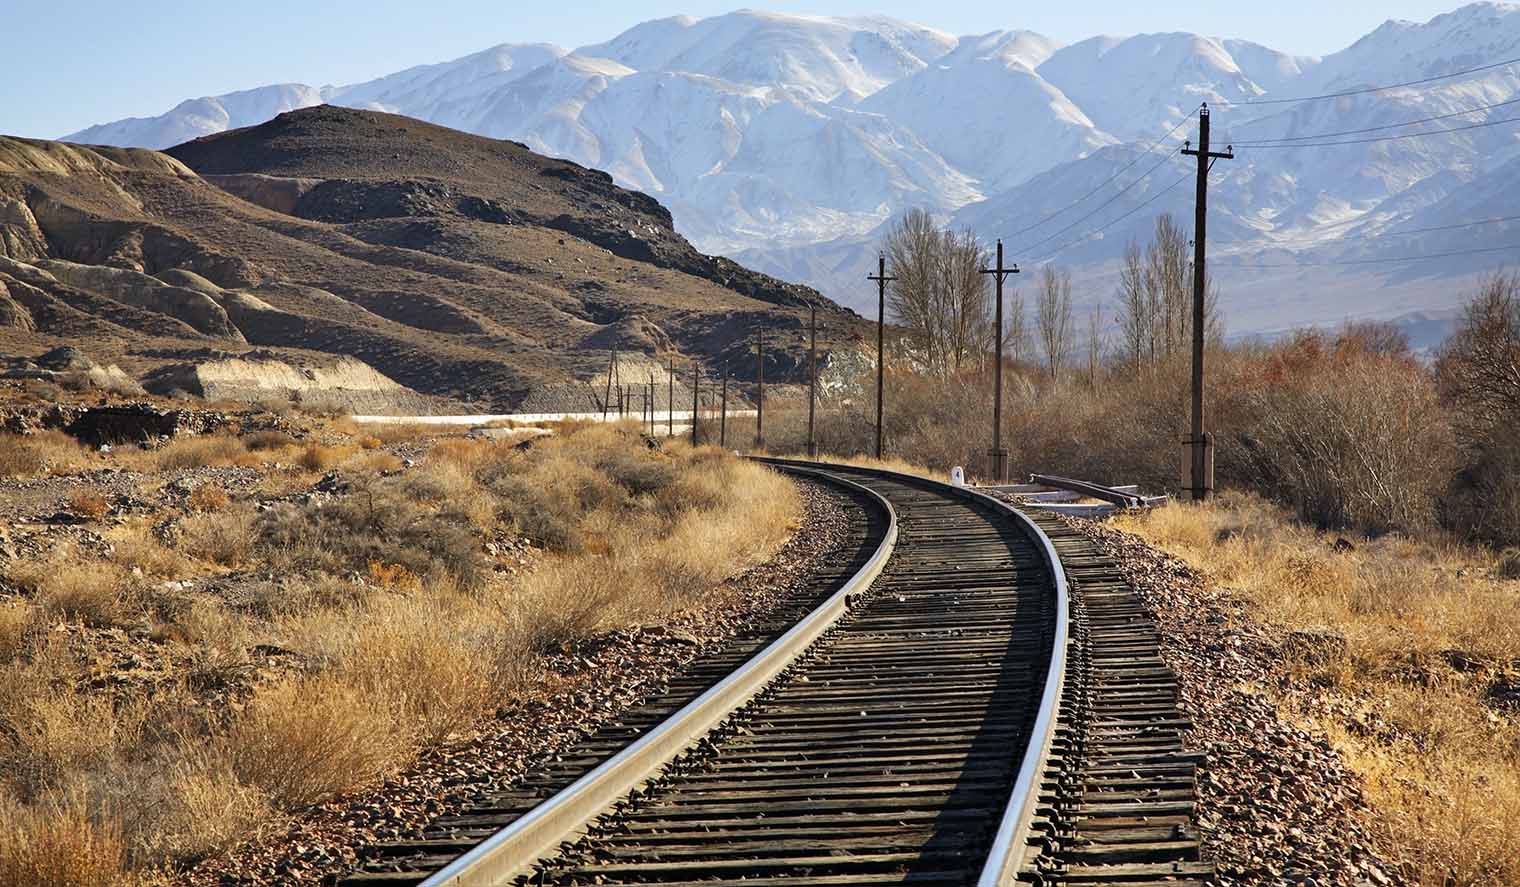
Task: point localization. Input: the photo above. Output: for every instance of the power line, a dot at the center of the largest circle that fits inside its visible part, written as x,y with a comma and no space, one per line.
1372,89
1099,208
1352,132
1492,221
1409,135
1110,180
1390,261
1105,226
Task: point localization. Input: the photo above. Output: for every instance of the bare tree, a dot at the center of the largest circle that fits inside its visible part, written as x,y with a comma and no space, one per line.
912,247
1135,321
939,298
1479,367
1094,344
1054,317
969,317
1167,274
1156,298
1016,328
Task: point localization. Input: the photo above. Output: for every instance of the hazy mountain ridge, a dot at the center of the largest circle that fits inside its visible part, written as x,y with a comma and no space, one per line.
788,140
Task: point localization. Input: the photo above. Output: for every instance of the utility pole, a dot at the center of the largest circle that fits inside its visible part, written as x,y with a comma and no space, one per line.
881,279
696,385
760,386
723,412
607,395
812,445
1199,479
998,455
670,402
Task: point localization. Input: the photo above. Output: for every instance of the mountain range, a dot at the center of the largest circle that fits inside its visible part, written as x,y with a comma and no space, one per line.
787,142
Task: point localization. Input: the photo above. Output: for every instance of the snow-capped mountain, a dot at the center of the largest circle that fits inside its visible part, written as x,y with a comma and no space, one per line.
788,141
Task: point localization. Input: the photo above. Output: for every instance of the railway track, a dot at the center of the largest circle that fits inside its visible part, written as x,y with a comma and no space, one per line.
919,726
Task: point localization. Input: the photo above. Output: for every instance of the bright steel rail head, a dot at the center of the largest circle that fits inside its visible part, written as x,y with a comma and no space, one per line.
536,834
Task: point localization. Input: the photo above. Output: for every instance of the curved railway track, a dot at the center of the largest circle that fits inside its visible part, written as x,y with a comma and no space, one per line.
919,725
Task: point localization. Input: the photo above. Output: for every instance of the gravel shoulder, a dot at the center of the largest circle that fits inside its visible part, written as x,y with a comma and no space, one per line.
581,688
1276,803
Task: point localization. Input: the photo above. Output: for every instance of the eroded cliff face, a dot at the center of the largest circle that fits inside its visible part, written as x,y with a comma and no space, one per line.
343,385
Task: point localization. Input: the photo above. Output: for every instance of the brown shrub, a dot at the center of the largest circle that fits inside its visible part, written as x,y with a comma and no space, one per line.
302,742
60,844
267,441
208,498
88,504
48,452
204,451
377,523
91,592
136,547
16,621
225,538
317,457
370,442
56,733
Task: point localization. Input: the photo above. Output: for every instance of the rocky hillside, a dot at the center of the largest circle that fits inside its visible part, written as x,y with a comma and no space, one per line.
458,266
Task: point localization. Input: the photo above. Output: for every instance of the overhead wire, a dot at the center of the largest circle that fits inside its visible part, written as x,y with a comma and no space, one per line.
1400,137
1100,207
1386,126
1106,182
1351,262
1373,89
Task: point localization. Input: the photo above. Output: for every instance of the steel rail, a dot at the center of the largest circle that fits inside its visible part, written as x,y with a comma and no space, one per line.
1010,842
1112,495
514,849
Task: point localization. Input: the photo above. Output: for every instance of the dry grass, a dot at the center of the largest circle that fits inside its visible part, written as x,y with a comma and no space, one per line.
317,457
1428,627
16,621
88,504
60,844
207,497
406,636
91,592
225,538
207,451
300,742
47,452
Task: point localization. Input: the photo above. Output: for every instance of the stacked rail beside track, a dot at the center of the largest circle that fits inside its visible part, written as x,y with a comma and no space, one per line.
912,739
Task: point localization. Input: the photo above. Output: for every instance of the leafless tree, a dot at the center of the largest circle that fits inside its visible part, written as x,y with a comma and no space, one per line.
1135,321
1094,344
940,299
1479,368
912,245
969,320
1054,317
1156,298
1016,328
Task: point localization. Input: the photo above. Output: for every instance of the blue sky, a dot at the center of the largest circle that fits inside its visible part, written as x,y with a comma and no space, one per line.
72,63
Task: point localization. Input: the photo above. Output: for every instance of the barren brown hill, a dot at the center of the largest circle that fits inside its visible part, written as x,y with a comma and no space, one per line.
456,265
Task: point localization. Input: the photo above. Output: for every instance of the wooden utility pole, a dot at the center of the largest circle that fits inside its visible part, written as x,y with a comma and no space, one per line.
696,385
723,412
607,395
812,443
1199,479
670,402
760,389
998,456
881,279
